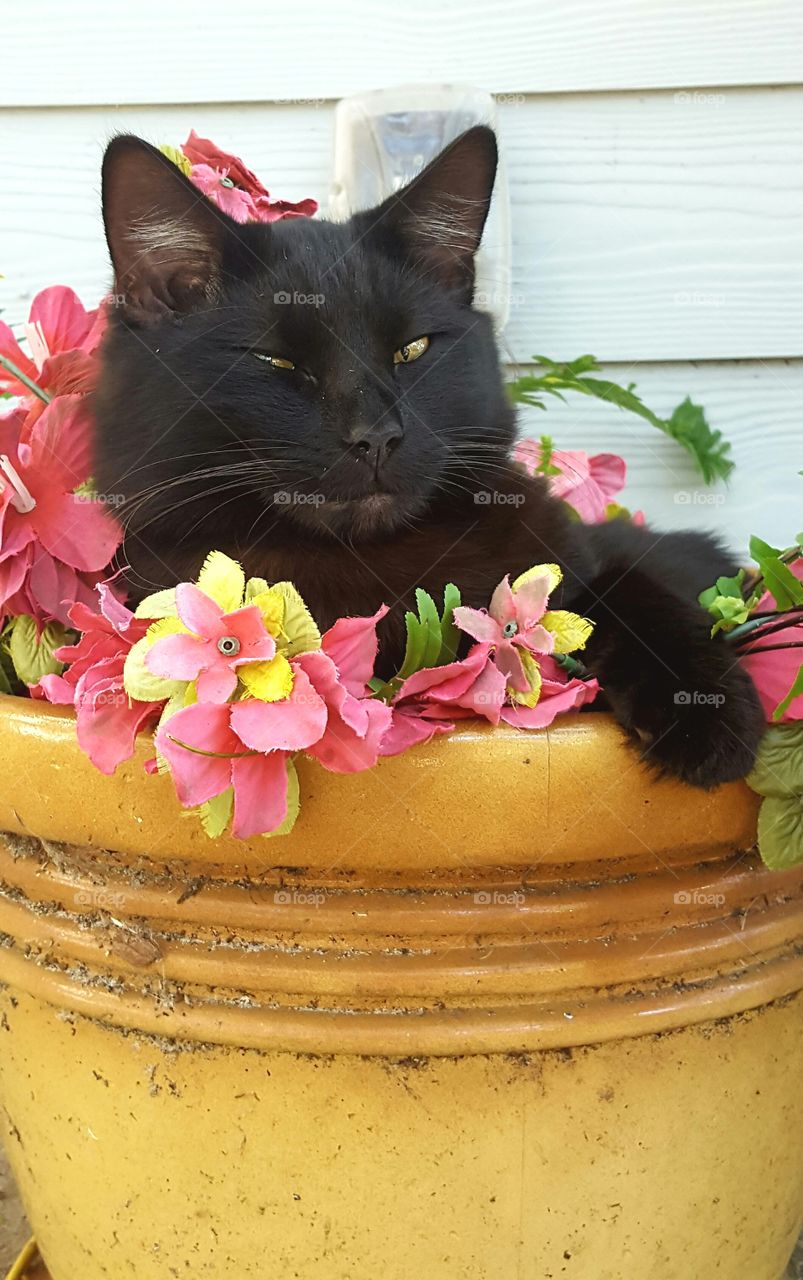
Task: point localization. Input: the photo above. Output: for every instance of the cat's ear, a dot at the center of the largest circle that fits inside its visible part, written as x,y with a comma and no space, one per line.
440,215
167,241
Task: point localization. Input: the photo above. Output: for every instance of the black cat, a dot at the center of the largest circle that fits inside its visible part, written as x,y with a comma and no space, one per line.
321,401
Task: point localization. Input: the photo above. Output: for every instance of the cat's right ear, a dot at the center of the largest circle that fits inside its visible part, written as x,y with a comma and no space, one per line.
167,241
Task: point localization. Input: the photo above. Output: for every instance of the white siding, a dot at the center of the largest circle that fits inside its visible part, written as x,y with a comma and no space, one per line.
655,158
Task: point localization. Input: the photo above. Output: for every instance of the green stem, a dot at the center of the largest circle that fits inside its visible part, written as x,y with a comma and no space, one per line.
11,368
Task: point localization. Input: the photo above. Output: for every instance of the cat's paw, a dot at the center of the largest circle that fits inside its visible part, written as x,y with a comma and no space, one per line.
704,734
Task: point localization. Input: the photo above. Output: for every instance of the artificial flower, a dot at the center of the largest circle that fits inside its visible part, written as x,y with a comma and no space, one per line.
226,181
62,337
240,752
108,720
431,700
557,692
49,534
207,645
774,670
518,622
588,484
207,759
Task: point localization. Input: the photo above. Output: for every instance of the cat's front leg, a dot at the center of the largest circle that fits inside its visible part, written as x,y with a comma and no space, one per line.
679,693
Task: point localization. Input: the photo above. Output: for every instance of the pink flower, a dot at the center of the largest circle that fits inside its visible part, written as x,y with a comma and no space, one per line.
774,671
587,484
206,757
49,535
246,745
62,337
429,701
211,644
108,721
330,713
234,188
558,693
513,623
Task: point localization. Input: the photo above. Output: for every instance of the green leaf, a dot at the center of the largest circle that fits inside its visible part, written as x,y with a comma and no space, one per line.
795,691
9,681
140,683
162,604
215,813
780,831
731,586
450,632
783,586
430,620
778,770
416,641
31,651
687,425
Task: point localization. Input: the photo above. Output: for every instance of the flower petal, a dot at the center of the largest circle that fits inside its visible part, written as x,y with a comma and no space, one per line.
178,657
291,725
608,471
260,794
223,579
268,681
352,644
79,532
477,623
216,684
570,630
553,572
187,740
198,611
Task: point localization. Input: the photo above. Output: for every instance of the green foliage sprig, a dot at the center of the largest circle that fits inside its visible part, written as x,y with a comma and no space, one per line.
687,424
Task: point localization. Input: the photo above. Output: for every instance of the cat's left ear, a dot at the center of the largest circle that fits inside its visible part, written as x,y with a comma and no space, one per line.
170,246
439,217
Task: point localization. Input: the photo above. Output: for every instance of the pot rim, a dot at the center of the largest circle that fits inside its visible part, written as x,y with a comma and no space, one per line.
575,792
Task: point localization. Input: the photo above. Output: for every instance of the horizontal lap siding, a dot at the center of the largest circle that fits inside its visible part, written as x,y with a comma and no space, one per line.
644,227
257,50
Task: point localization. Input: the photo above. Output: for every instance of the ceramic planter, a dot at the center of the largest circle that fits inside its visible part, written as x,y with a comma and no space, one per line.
502,1007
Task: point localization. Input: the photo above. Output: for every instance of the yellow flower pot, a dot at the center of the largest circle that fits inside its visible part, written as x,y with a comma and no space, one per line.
502,1007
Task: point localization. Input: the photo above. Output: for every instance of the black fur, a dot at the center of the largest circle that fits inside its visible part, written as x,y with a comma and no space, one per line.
359,478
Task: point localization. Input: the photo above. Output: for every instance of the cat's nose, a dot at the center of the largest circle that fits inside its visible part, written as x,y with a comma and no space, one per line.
375,443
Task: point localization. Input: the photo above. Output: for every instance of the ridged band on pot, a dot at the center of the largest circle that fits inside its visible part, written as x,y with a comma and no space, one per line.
546,929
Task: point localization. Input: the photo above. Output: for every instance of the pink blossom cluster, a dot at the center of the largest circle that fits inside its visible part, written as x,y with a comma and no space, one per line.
226,181
235,690
55,541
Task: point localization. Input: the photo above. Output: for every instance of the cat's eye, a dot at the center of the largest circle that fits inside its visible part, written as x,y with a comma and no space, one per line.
278,362
411,351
